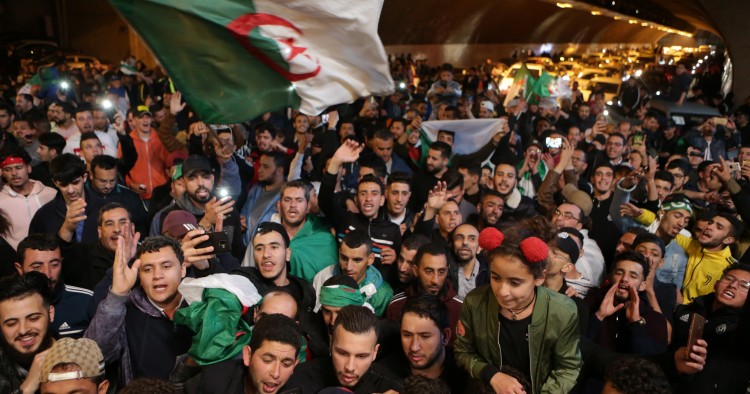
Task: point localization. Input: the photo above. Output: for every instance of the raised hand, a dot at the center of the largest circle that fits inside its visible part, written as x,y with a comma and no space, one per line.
333,119
123,277
76,214
438,196
216,209
692,362
348,152
175,103
633,310
722,170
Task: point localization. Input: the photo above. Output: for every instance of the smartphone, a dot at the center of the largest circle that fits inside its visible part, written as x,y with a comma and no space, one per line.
219,240
324,118
697,322
554,143
638,138
720,121
735,166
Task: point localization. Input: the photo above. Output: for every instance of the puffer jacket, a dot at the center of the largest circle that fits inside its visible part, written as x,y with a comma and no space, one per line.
553,340
150,167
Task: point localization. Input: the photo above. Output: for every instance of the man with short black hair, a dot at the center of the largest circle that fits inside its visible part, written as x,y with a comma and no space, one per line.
70,209
104,187
397,196
262,199
25,312
51,145
431,272
489,210
355,260
20,196
516,206
425,332
84,119
436,164
354,347
74,306
406,256
61,116
133,324
382,144
26,136
620,319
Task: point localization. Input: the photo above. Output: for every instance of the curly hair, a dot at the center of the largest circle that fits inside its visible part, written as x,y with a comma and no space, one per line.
632,375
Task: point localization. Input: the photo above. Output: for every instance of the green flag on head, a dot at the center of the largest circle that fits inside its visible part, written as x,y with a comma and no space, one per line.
235,60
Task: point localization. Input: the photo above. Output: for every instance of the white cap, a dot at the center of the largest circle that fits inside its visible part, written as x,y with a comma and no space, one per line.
487,105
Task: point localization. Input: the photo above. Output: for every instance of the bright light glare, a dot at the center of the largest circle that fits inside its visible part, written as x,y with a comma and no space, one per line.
106,104
402,85
658,92
606,113
64,85
609,102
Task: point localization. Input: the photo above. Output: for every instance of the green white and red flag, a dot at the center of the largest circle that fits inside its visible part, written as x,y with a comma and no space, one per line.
236,59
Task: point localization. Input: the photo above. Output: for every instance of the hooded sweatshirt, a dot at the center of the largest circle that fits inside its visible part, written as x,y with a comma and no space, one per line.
20,209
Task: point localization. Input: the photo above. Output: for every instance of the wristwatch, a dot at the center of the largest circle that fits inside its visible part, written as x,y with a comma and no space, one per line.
640,322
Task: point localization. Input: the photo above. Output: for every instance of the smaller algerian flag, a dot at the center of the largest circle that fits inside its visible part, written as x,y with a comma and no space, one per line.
127,69
235,60
523,82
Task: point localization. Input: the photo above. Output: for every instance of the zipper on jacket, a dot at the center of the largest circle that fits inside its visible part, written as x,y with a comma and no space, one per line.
695,267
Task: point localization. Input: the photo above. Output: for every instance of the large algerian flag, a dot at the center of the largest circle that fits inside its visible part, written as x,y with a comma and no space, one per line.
235,60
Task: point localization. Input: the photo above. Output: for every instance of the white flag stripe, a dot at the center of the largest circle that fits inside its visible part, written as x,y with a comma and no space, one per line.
343,38
471,134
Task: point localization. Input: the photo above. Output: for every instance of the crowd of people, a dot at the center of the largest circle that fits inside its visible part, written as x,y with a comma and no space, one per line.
143,249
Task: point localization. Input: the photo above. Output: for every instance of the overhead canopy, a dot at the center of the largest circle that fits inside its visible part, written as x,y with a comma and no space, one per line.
421,22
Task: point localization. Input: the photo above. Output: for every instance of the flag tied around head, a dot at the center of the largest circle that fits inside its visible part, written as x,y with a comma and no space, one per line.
235,60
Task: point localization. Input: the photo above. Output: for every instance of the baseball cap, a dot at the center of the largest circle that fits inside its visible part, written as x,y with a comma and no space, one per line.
486,104
567,245
83,352
195,163
143,110
174,223
578,198
670,124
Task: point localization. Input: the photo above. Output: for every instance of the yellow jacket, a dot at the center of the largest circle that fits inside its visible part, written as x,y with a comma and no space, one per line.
703,268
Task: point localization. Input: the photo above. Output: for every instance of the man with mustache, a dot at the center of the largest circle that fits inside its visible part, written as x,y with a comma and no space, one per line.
74,306
200,200
431,273
472,269
397,195
25,313
425,333
21,196
25,133
489,210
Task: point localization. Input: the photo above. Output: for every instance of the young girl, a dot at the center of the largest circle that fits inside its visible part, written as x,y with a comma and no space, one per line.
516,322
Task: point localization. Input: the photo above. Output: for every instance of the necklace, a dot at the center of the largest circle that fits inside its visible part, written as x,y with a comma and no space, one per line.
514,312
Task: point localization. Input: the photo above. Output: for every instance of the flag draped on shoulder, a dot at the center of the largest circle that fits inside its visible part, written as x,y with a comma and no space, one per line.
235,60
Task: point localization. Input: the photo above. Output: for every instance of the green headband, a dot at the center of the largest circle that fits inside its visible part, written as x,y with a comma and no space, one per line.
340,295
674,205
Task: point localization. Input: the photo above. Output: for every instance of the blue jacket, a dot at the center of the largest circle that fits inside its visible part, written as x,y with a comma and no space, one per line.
74,309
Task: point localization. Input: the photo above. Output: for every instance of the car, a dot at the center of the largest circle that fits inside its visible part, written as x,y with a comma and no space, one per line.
689,113
609,85
585,75
510,73
569,68
32,49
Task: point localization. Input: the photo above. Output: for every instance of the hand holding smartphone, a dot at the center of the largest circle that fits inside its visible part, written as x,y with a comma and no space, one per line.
697,323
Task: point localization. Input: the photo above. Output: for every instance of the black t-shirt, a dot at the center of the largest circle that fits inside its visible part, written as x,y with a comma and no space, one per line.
514,344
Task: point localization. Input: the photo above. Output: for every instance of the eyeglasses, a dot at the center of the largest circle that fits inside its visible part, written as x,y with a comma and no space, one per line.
565,215
744,285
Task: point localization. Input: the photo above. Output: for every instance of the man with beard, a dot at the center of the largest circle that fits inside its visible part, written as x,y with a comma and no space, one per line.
406,256
603,230
61,116
436,165
431,273
25,133
516,206
312,245
84,119
490,210
354,347
356,258
101,124
621,320
103,188
20,197
472,269
199,200
262,199
71,206
384,235
25,313
337,292
74,306
425,333
133,324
